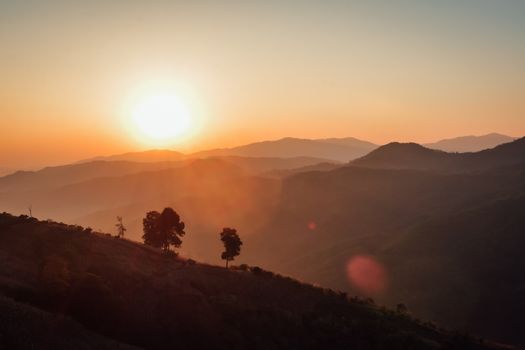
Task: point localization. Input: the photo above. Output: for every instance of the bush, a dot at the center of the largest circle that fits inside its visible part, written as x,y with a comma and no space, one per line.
170,254
256,270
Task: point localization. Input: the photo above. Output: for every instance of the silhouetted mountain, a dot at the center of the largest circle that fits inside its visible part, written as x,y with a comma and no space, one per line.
138,295
52,177
58,176
341,150
209,193
413,156
324,219
263,165
312,222
470,143
477,253
155,155
325,166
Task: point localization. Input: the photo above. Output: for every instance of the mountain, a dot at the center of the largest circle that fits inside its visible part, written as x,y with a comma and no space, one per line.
209,194
476,253
446,243
470,143
67,287
322,166
413,156
53,177
265,165
333,149
155,155
341,150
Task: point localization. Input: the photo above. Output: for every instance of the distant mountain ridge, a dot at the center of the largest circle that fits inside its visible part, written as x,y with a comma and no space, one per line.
332,149
470,143
335,149
154,155
414,156
57,176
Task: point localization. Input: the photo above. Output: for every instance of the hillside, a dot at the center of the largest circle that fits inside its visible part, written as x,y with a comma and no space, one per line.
133,294
477,253
209,194
324,219
470,143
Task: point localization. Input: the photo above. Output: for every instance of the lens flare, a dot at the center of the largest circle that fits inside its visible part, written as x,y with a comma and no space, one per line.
366,274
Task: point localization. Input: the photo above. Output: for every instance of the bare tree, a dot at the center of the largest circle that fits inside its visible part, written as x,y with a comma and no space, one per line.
121,229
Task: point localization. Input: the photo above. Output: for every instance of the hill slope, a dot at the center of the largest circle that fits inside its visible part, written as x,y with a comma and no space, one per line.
447,242
140,296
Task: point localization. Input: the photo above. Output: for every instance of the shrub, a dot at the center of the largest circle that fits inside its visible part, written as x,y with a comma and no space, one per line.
170,254
256,270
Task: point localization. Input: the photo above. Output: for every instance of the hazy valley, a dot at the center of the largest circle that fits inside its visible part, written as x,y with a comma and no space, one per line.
443,228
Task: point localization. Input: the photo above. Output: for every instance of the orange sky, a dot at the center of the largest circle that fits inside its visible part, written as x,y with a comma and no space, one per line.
254,71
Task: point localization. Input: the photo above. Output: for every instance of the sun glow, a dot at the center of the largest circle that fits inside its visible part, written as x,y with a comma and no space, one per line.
161,117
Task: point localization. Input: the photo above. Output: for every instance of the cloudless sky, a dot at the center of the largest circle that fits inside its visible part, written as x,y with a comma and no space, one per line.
401,70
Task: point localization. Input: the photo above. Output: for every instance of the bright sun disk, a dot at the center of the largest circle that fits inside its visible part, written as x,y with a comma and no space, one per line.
161,117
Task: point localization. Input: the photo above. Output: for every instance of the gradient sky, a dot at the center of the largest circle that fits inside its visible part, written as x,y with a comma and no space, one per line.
388,70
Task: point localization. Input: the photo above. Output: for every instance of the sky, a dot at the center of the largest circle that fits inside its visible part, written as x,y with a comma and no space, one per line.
73,72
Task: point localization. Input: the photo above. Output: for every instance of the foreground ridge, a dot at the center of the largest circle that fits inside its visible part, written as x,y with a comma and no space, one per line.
130,293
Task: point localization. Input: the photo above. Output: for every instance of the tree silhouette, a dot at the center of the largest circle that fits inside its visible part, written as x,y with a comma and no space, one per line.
232,244
121,229
163,229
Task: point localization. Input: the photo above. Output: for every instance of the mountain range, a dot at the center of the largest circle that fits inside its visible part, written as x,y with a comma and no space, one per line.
332,149
446,234
445,228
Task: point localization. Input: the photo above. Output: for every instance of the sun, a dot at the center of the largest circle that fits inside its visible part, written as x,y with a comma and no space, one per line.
161,117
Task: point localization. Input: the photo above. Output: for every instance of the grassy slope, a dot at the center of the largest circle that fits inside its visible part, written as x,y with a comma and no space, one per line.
140,296
24,327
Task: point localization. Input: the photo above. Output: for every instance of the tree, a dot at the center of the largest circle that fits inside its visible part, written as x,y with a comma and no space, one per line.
232,244
163,229
121,229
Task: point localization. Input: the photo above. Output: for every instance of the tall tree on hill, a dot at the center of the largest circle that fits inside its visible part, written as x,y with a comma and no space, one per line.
163,229
121,229
232,244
